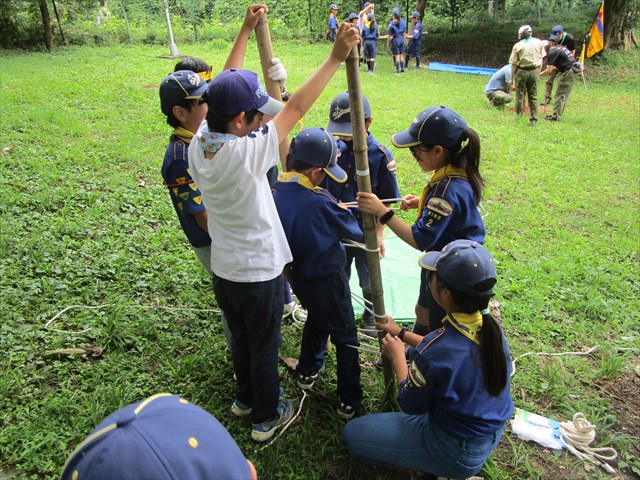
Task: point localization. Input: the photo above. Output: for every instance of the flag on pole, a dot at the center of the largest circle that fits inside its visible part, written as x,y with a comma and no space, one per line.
596,43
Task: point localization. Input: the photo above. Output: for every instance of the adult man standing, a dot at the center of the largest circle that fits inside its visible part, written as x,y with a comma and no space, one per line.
561,62
498,88
564,39
526,59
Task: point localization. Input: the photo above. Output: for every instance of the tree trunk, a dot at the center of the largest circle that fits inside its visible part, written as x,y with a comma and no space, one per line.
46,23
620,19
421,5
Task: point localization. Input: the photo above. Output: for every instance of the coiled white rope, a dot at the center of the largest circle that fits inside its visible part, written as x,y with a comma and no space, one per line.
578,435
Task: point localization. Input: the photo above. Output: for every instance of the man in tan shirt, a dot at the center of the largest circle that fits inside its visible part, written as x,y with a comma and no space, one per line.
526,59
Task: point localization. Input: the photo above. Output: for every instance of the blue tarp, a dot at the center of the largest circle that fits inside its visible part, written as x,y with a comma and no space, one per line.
449,67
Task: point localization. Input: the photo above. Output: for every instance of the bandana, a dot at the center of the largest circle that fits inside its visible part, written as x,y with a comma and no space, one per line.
296,177
446,171
211,142
467,324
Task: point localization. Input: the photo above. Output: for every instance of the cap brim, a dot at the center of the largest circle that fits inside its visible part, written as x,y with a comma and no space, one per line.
429,259
341,128
555,37
336,173
198,92
404,140
272,107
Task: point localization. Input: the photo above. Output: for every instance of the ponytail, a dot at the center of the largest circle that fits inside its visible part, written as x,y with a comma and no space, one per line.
467,155
492,354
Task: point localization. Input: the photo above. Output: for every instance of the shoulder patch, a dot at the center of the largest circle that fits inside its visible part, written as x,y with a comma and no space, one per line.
440,206
391,163
415,377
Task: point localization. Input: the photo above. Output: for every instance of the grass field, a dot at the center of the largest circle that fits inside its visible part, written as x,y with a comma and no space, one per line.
86,221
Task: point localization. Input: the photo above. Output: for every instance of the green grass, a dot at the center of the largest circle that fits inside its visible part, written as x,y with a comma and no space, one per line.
86,221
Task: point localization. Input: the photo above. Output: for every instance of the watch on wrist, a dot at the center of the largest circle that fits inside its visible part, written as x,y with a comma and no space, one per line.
403,330
386,217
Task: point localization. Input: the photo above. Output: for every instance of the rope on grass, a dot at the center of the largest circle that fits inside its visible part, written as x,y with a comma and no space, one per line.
513,363
90,307
304,396
578,435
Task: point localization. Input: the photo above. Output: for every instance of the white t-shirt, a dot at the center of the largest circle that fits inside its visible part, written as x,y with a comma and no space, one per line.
248,243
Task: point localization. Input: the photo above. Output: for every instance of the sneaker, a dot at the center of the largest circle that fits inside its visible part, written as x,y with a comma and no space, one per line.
305,382
265,430
551,118
532,122
239,409
416,68
345,412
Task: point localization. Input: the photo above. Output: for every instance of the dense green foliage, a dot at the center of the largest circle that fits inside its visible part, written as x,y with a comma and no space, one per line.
85,22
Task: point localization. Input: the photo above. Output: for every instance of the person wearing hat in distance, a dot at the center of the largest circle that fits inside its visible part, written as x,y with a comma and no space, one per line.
315,224
562,63
395,39
370,35
333,21
526,58
382,170
455,392
163,438
442,143
353,21
562,38
415,40
498,88
229,162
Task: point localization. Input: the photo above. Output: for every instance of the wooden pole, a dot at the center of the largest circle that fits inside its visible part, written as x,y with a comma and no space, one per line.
368,220
263,36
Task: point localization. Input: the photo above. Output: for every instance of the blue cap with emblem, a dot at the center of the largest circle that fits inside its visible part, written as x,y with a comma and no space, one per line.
333,6
162,437
340,115
395,11
415,14
433,126
464,265
315,146
178,87
352,16
235,91
556,32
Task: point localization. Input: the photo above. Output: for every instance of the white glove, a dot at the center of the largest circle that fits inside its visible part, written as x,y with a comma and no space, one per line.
276,71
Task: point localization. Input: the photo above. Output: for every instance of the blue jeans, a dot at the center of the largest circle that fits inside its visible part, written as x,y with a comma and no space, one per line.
254,313
416,442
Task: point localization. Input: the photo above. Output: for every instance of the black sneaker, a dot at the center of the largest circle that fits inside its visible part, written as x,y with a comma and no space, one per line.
305,382
551,118
345,412
532,122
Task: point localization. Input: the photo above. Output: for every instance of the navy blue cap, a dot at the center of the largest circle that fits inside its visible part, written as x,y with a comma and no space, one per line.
162,437
340,115
462,264
415,14
370,16
333,6
366,4
395,11
556,32
179,86
352,16
235,91
433,126
315,146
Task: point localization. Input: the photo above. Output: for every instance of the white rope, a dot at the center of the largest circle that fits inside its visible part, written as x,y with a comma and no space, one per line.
364,303
578,435
383,200
513,363
347,242
89,307
362,348
304,395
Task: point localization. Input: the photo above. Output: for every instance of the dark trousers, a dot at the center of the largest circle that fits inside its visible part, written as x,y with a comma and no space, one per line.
527,84
254,313
329,312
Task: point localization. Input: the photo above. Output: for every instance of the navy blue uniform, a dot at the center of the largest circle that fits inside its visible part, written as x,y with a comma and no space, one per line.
396,32
315,225
370,36
382,171
447,212
185,195
415,44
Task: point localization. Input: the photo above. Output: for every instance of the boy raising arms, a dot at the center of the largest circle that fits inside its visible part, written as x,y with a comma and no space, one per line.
229,164
315,224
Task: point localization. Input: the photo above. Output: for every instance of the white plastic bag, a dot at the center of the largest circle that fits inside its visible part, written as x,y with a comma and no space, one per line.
542,430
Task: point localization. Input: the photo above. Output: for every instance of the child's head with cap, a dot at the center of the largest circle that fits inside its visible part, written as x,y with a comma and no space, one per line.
315,148
234,92
180,94
162,437
352,17
197,65
340,116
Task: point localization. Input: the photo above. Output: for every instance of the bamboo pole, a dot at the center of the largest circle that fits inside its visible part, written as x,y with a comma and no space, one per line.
368,220
265,49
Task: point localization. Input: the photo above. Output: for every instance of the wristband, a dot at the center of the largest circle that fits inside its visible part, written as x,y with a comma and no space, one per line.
403,330
386,217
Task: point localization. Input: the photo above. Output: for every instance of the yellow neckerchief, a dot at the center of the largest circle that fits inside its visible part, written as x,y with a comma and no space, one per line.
467,324
296,177
446,171
184,134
